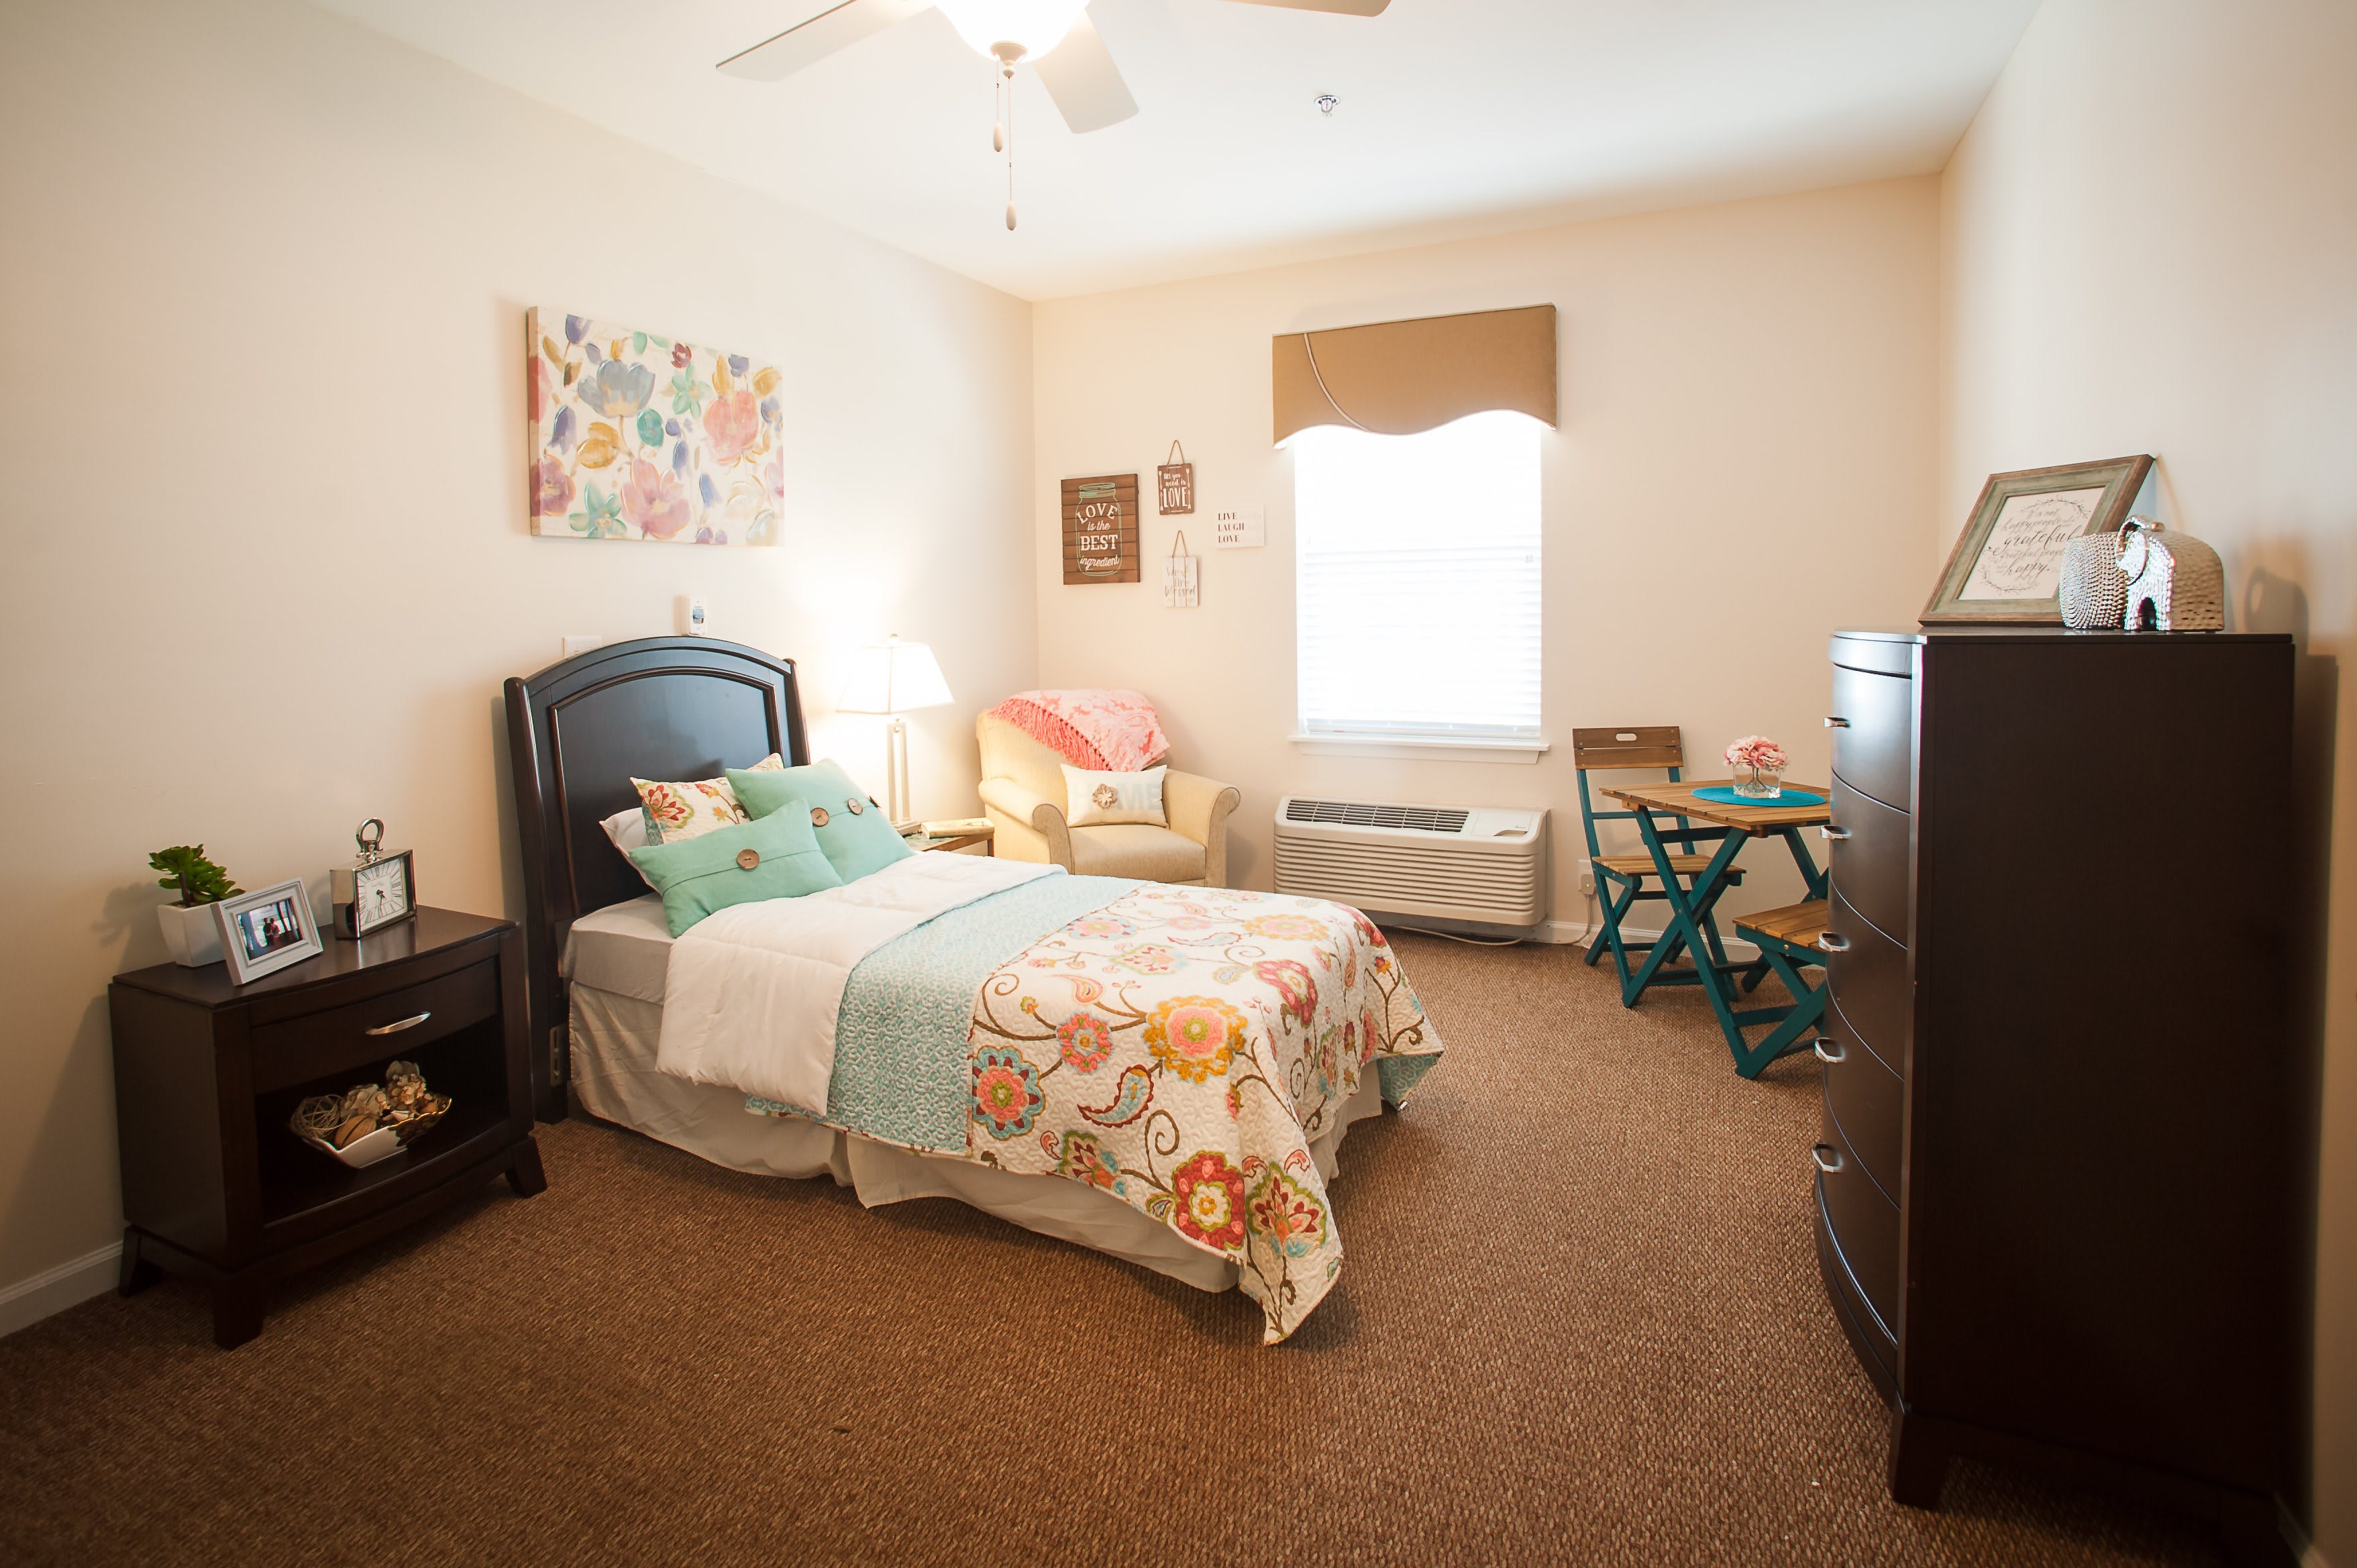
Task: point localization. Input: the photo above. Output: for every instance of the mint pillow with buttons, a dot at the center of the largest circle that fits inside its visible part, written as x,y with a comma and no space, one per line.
775,856
852,829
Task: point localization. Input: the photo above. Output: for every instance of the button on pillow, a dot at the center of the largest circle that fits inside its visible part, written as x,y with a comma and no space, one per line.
852,834
773,857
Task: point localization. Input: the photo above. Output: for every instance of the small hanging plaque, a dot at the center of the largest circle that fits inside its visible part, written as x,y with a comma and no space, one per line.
1100,529
1176,478
1181,582
1240,528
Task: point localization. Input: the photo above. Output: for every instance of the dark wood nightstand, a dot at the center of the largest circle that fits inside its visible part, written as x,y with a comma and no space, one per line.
207,1072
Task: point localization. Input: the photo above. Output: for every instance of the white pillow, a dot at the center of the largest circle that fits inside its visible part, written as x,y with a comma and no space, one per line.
1094,800
628,830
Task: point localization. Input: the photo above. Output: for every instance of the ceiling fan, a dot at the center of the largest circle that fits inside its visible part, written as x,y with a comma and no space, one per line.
1055,35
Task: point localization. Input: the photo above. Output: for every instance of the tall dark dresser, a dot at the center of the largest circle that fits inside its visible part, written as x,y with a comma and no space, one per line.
2064,1163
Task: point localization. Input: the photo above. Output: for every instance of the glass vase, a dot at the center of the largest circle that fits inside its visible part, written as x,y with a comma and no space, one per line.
1760,783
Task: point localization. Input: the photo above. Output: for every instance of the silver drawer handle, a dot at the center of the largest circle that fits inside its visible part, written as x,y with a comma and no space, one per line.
1827,1157
1836,724
399,1025
1833,942
1833,834
1829,1050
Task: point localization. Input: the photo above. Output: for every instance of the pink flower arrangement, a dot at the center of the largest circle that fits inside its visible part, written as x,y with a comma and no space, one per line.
1755,751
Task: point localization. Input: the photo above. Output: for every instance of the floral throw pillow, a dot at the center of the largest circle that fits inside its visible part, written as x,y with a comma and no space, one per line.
689,808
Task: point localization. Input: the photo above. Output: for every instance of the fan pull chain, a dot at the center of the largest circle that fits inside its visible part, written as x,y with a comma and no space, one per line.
997,113
1007,74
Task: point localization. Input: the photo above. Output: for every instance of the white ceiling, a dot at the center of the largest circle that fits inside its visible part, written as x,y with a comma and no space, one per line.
1457,116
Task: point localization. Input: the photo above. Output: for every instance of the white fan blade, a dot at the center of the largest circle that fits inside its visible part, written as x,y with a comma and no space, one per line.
1079,75
1339,7
807,43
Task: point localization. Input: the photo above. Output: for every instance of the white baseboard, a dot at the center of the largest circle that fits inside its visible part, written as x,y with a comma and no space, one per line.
1568,932
27,1302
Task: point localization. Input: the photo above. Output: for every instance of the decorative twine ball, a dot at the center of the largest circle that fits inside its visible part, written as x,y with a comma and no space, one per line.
318,1117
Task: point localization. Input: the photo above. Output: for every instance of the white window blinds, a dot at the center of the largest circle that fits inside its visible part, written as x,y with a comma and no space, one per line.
1416,580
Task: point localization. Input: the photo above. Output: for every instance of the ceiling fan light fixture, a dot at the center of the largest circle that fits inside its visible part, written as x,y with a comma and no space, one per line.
1012,30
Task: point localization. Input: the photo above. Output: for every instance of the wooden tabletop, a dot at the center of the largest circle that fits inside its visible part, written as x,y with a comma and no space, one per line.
1678,801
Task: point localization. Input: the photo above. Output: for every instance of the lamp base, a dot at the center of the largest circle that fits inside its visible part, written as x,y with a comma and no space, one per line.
896,771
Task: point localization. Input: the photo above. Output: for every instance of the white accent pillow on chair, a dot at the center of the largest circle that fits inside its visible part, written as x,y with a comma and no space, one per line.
1097,799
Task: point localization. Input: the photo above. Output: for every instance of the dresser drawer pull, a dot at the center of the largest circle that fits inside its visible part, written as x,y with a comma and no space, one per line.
1829,1050
1832,723
398,1025
1833,834
1828,1158
1833,942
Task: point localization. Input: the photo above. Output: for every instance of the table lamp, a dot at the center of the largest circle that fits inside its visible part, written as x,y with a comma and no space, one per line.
893,678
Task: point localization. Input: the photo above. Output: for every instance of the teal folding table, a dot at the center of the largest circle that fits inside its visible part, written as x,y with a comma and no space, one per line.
1689,930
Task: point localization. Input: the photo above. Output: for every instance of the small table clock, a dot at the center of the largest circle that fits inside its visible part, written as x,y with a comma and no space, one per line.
377,890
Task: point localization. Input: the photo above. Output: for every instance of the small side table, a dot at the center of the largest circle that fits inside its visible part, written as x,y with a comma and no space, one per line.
986,837
207,1072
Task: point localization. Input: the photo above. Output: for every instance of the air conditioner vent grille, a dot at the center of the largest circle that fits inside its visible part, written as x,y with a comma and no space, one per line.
1366,814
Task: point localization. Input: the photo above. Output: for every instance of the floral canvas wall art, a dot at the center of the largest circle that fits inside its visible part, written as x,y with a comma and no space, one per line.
635,435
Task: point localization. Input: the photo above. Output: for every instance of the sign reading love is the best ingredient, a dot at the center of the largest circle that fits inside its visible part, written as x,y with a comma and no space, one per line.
1100,529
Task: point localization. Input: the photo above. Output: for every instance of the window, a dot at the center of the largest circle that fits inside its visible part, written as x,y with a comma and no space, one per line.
1416,583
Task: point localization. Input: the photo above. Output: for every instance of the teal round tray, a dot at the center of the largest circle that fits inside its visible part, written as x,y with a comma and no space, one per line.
1719,794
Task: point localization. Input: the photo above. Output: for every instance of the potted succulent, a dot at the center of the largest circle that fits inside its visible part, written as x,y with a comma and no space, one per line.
190,931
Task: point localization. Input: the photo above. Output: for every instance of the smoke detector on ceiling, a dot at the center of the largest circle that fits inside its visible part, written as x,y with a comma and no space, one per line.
1328,103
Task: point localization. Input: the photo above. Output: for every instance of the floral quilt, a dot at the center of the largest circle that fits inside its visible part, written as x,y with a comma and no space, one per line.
1179,1048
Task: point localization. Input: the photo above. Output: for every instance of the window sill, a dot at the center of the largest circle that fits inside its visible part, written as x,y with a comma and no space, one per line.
1419,748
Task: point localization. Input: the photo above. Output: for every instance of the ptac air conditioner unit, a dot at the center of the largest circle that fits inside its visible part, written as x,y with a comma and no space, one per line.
1452,863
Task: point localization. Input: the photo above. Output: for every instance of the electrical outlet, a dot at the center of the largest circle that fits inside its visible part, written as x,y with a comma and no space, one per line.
1587,878
578,643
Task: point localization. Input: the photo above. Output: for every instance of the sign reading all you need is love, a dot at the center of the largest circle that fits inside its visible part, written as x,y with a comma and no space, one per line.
1100,529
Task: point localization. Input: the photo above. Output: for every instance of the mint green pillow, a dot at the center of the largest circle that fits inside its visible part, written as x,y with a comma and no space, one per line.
856,837
699,876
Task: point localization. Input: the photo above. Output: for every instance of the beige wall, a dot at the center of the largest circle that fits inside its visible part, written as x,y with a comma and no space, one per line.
265,275
1748,397
2151,245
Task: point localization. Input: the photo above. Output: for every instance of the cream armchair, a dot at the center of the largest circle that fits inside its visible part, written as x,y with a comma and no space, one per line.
1023,791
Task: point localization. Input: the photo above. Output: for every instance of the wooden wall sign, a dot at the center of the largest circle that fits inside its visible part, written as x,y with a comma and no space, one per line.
1176,480
1100,529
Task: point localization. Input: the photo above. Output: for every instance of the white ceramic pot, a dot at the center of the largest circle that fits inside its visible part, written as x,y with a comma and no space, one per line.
191,933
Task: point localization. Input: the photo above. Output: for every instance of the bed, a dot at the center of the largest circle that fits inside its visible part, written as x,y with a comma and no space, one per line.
1164,1074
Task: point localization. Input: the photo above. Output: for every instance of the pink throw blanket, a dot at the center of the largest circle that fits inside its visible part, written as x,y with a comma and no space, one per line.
1105,732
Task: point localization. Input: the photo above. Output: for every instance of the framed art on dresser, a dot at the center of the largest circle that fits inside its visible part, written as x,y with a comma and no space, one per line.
2007,567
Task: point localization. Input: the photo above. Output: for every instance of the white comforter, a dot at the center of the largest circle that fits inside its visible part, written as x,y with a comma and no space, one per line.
753,993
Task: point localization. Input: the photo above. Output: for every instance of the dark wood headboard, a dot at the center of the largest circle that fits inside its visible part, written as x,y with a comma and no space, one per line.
661,708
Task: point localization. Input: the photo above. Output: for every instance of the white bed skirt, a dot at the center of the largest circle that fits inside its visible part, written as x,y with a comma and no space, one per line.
614,1074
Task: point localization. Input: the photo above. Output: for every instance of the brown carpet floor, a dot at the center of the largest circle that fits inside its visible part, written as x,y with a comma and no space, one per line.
1580,1322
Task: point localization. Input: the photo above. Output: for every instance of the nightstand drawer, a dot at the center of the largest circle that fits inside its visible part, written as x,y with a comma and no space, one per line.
372,1033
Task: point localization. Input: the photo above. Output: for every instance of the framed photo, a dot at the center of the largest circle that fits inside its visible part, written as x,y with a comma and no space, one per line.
2007,567
262,932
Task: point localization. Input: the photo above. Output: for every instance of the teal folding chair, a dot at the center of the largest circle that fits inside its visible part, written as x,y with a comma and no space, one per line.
1625,881
1789,939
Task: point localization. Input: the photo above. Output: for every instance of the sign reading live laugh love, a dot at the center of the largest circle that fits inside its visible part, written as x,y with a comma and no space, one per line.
1100,529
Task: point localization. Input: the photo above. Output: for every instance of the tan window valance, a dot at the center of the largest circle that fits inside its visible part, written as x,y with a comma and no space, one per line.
1398,378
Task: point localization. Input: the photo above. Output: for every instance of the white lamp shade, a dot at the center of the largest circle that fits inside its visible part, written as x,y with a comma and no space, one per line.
893,677
1033,26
